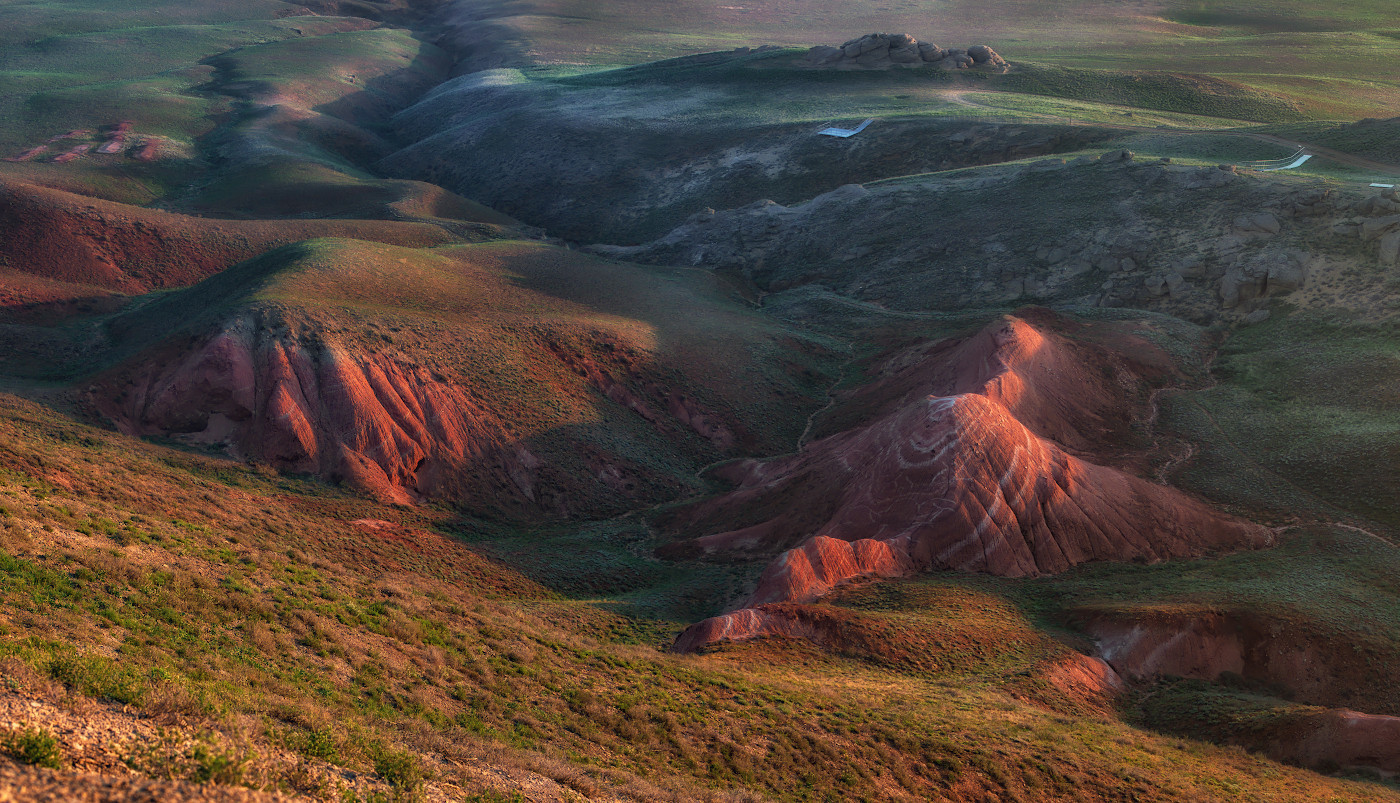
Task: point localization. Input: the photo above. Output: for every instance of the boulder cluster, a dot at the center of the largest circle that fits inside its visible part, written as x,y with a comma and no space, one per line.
880,51
1376,220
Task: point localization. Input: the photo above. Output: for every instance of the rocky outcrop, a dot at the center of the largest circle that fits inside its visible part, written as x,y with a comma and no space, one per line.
1265,274
953,482
1257,226
1377,222
881,51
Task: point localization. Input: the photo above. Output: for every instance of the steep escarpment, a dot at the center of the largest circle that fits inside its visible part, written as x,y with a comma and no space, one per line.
952,482
1326,739
1297,661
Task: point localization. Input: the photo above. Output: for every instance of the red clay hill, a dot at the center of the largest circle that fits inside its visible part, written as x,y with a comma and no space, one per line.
967,469
383,426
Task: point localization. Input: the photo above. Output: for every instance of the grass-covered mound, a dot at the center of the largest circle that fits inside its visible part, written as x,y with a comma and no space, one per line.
581,385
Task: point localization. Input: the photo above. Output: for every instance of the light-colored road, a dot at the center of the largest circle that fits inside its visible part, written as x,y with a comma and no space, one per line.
959,97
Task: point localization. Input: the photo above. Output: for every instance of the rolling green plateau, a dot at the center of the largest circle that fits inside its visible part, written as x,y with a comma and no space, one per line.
463,400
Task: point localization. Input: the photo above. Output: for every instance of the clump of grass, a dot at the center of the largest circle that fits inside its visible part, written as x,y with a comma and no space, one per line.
34,746
202,760
319,743
402,771
97,677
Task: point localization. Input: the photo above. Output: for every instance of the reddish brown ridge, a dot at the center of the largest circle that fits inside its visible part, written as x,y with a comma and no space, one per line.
960,482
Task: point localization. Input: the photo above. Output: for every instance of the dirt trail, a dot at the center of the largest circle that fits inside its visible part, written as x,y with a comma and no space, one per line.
959,97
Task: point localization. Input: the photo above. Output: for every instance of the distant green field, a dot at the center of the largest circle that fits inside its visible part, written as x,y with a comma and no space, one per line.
1303,419
1329,59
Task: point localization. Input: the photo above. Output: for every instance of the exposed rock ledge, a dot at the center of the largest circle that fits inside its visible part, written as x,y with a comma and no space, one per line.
881,51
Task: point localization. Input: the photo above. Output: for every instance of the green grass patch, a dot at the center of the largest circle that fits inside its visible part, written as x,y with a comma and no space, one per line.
34,746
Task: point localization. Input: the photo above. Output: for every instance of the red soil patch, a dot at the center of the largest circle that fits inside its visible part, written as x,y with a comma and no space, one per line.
70,238
1295,660
116,138
958,482
1082,681
1347,739
29,154
70,155
150,149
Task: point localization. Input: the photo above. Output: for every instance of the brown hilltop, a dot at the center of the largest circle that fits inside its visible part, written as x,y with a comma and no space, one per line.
75,245
1051,373
958,482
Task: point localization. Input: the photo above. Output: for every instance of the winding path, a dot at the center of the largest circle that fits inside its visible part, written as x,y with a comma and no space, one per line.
959,97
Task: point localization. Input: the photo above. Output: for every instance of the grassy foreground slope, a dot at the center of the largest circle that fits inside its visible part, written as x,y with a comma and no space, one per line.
274,619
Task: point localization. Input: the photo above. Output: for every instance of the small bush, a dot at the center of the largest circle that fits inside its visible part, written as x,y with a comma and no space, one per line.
34,746
96,677
401,770
320,743
212,764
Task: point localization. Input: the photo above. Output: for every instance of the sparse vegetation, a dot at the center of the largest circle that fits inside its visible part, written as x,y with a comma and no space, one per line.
33,745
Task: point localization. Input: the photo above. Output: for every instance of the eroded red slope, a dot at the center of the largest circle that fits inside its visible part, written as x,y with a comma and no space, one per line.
383,426
958,482
1056,376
